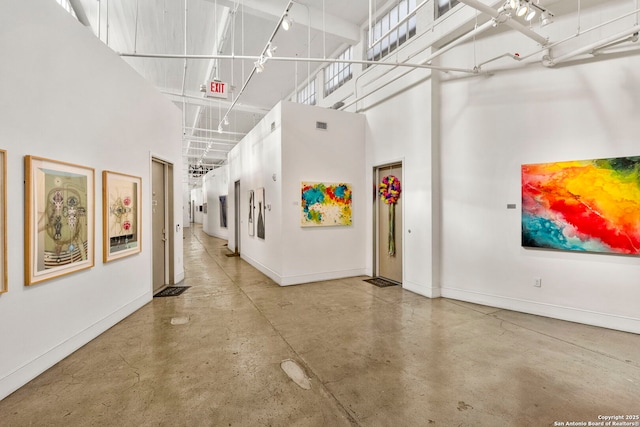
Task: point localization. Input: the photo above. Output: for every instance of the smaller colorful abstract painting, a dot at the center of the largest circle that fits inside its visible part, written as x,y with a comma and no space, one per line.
586,205
325,204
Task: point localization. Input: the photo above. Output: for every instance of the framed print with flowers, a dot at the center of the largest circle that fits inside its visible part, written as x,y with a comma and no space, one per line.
59,219
122,216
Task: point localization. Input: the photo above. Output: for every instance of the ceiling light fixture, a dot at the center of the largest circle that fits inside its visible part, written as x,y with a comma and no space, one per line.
270,50
530,15
511,4
546,18
522,9
287,22
226,121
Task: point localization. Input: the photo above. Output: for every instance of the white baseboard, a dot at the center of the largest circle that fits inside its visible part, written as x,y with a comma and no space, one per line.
179,277
30,370
425,291
318,277
571,314
216,234
262,268
302,278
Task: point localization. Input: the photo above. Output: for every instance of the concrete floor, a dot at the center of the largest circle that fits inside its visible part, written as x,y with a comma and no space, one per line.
374,356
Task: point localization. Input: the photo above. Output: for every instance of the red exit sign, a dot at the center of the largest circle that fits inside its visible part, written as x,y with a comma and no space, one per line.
217,89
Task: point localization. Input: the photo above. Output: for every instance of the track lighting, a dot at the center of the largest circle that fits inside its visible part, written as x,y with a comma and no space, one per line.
522,9
530,15
259,64
270,50
508,6
286,22
526,9
226,121
219,128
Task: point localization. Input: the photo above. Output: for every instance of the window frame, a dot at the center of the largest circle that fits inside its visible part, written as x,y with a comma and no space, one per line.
442,7
308,94
396,38
337,73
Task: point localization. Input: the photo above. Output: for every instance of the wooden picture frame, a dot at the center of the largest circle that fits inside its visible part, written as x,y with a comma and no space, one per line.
59,219
4,278
122,215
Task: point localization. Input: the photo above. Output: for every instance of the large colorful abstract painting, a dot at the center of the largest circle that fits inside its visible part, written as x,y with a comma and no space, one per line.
586,205
59,219
325,204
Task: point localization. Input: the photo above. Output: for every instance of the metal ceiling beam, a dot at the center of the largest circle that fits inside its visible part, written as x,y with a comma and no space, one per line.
206,102
224,132
506,19
331,24
298,59
199,156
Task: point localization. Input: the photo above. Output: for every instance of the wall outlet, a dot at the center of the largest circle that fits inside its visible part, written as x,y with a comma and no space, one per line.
537,282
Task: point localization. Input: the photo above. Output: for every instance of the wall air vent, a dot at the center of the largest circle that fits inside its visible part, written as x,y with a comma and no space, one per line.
321,125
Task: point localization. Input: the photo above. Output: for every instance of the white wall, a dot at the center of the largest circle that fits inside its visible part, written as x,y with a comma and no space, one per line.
492,126
215,184
462,141
253,162
186,198
333,155
197,200
279,161
66,96
399,129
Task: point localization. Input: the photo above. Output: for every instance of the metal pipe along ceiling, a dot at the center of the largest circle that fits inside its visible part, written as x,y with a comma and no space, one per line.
298,59
593,46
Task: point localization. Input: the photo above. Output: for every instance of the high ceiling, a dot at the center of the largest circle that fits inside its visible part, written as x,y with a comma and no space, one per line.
223,27
160,39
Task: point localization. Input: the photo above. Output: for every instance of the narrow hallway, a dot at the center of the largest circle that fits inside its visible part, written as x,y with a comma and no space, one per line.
374,356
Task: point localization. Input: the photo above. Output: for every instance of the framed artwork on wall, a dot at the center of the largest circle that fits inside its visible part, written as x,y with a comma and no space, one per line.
325,204
4,286
223,211
59,219
582,205
252,208
121,215
260,220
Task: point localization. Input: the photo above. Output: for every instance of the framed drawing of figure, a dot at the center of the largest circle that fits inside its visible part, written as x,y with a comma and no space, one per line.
59,219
